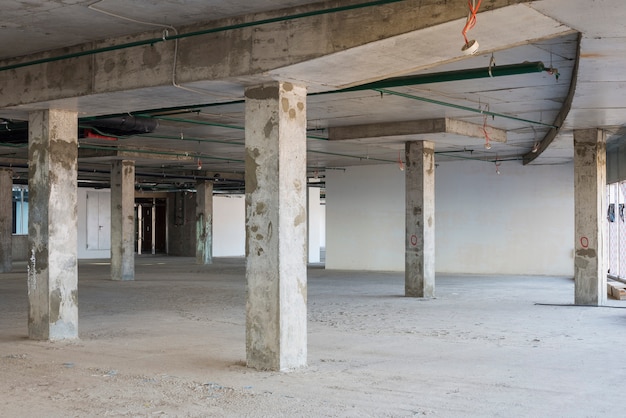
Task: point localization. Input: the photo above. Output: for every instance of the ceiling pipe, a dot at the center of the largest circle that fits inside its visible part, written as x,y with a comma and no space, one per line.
562,115
167,37
381,87
447,76
460,107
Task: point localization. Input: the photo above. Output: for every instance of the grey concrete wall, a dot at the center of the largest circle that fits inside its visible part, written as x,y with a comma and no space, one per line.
20,247
181,219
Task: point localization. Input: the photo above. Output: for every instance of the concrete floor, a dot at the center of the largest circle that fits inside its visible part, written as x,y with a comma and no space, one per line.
172,343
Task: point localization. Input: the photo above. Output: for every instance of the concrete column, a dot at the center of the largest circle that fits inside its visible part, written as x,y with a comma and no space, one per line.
419,260
6,220
276,327
204,222
52,225
123,220
590,260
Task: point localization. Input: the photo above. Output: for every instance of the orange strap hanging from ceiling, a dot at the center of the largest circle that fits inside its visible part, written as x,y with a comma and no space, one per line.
471,17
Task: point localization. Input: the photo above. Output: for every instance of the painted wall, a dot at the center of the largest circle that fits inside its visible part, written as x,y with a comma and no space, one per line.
94,223
518,222
314,224
229,226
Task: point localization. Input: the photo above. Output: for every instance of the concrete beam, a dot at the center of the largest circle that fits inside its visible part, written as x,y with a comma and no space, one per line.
404,129
318,50
127,153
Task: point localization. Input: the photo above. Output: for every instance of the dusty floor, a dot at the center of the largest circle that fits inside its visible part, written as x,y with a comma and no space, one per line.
172,343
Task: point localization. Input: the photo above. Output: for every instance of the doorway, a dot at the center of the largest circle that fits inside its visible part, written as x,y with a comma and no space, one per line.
150,226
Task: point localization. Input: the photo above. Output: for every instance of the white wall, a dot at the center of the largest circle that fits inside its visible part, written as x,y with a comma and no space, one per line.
314,224
365,218
229,226
518,222
104,216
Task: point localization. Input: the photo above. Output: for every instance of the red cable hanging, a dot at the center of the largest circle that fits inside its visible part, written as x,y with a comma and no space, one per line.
471,18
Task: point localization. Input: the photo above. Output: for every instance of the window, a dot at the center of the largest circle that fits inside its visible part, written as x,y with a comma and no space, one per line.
20,210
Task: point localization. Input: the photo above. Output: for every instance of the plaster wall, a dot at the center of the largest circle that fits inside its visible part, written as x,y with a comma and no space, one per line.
229,226
104,215
518,222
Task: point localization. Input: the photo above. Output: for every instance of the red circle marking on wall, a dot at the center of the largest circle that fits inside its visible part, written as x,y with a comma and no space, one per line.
414,240
584,242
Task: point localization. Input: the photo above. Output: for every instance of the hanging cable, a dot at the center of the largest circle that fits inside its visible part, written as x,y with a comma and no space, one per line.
470,47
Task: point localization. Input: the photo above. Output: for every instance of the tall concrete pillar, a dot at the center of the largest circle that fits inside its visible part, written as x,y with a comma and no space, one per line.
123,220
204,222
590,260
6,220
419,259
52,225
276,238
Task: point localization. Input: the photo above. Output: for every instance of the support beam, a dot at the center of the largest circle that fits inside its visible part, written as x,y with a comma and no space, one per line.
389,130
204,222
276,216
6,220
420,220
590,260
123,220
53,225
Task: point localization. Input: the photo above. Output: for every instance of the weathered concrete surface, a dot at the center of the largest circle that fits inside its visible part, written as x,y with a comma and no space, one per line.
6,220
123,220
419,271
204,222
272,49
415,127
53,225
590,258
181,223
276,216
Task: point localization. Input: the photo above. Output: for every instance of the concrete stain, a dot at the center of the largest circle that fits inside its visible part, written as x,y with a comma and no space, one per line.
586,252
262,93
251,170
288,86
261,208
109,65
270,231
151,57
301,218
300,106
269,127
55,305
285,104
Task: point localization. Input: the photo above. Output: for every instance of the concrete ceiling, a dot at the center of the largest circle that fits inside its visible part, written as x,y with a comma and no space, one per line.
207,116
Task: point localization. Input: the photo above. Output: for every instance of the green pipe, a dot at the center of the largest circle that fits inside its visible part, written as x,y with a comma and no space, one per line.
190,121
206,123
447,76
166,37
174,154
466,108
